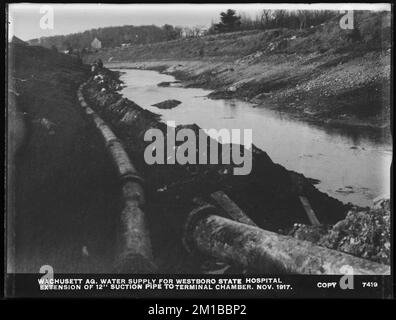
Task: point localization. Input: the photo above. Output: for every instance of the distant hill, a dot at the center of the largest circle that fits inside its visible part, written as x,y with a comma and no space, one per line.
372,31
110,37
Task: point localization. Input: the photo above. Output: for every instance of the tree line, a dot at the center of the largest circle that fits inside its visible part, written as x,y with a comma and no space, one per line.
111,37
229,21
270,19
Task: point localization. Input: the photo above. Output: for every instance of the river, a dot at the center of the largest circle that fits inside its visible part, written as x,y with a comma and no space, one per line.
350,166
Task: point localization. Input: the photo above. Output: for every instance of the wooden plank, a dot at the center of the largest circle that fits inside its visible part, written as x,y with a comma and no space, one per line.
309,211
231,208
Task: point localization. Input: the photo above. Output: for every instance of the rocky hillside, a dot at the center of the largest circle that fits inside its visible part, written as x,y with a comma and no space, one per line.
323,73
364,233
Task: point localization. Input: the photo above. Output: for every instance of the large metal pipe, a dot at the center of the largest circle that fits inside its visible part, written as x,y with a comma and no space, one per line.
134,245
125,168
266,252
134,235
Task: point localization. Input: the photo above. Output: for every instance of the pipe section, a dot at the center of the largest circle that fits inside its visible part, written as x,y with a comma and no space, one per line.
266,252
134,244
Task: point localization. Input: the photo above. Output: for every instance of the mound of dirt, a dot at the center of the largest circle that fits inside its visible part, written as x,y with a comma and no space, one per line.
363,233
167,104
168,83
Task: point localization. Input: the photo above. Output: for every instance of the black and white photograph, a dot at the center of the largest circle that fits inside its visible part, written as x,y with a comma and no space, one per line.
198,150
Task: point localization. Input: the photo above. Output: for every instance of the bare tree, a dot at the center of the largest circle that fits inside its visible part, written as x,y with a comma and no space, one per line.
265,18
302,17
198,31
279,17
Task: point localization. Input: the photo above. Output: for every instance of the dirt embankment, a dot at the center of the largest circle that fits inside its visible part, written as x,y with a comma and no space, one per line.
323,74
61,185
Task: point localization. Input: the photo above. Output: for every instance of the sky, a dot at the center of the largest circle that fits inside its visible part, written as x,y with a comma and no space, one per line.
24,18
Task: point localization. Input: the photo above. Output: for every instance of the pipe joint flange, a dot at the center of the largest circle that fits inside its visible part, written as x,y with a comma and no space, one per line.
112,141
193,218
89,111
132,177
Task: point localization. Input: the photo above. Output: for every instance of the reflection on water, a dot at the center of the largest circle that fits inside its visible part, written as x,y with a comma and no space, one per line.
353,166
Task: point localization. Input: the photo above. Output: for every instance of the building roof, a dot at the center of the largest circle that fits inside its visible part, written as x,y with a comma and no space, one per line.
18,41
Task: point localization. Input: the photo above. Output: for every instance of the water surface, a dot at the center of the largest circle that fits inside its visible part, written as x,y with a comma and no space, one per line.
352,166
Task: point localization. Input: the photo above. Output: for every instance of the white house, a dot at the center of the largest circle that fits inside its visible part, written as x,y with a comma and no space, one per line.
96,44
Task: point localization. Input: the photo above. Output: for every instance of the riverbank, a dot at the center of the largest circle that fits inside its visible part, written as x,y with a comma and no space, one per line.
365,106
316,74
316,151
